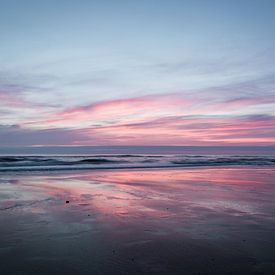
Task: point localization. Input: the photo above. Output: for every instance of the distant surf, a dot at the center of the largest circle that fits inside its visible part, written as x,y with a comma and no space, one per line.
40,163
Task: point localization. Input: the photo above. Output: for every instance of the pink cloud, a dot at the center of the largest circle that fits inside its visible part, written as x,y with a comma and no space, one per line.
15,102
145,108
187,131
115,111
10,100
174,130
162,120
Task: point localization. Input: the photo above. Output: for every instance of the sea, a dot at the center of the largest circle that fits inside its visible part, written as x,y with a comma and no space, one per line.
40,158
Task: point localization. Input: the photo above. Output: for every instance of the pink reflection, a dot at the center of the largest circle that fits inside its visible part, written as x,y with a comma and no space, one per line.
175,195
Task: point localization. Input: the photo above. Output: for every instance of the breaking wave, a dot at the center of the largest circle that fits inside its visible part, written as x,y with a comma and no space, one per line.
36,163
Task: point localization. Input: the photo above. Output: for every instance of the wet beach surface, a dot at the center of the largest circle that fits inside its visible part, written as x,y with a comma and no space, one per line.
153,221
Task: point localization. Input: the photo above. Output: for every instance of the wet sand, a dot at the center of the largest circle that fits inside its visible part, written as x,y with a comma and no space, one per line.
154,221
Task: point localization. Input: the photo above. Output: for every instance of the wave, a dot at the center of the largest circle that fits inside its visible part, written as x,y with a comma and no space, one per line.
37,163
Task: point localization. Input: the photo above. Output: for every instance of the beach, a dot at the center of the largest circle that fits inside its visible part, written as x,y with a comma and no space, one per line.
181,220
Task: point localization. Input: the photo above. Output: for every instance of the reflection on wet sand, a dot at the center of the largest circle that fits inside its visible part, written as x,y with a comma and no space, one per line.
176,221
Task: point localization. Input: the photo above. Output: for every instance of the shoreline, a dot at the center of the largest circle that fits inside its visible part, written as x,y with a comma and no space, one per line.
161,168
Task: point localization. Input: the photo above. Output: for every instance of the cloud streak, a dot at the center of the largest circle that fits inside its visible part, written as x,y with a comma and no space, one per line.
152,120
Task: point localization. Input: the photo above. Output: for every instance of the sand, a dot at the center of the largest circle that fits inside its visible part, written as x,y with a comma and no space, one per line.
154,221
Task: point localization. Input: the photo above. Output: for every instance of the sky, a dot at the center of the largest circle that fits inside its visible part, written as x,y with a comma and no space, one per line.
137,72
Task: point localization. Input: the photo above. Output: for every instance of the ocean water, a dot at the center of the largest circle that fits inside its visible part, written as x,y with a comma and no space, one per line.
119,157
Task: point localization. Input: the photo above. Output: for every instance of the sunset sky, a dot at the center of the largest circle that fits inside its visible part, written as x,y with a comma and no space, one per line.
137,72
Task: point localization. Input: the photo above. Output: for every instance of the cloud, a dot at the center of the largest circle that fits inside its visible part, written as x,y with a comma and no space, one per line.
115,111
177,130
13,100
14,135
208,132
221,115
193,131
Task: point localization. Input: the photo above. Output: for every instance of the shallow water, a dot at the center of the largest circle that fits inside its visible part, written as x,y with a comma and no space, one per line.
208,220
